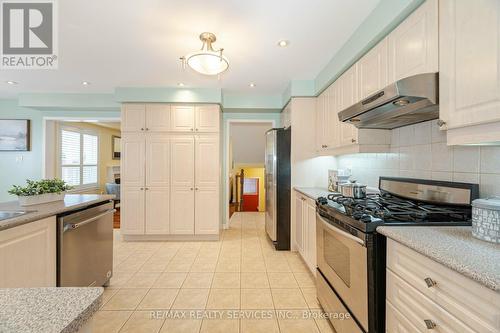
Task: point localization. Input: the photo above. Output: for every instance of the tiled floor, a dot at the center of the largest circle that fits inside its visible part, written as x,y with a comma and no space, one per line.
241,283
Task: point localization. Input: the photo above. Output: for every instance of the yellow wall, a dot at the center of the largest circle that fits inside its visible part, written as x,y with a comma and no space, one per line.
105,144
257,172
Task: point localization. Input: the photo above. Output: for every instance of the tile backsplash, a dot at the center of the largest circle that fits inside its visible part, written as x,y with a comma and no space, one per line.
420,151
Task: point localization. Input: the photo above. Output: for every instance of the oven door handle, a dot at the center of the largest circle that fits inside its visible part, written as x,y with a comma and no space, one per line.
339,231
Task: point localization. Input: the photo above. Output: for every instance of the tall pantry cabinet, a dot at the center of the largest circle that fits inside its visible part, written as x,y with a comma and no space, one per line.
170,171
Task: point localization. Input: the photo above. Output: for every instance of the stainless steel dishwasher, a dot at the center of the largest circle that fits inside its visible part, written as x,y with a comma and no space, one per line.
85,247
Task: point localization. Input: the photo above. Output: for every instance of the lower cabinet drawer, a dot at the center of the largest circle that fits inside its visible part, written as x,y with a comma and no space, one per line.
462,297
333,306
423,313
395,322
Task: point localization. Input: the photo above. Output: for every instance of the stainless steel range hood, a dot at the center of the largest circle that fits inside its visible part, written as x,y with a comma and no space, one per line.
408,101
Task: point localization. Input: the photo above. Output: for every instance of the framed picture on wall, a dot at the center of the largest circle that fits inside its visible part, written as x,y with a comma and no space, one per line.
15,134
116,147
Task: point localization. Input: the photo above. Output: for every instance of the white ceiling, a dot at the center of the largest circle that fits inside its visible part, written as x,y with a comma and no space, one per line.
137,43
249,142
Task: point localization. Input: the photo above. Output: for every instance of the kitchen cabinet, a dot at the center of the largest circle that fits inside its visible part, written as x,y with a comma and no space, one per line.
372,70
441,298
413,45
469,79
348,94
321,127
145,117
305,229
162,170
28,255
132,210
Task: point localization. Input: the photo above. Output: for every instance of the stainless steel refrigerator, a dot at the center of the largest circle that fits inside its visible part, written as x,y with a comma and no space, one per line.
278,189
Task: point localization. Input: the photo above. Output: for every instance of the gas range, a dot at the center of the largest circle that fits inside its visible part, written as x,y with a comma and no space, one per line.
351,255
387,209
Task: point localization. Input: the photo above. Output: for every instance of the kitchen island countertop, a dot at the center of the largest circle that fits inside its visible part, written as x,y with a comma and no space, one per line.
37,212
57,310
455,248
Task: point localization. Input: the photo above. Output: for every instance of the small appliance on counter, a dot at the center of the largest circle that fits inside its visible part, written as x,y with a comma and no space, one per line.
278,186
351,254
486,219
337,177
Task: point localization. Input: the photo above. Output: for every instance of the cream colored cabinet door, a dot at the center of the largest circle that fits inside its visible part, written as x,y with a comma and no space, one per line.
320,121
133,117
182,211
207,221
413,45
372,70
158,117
182,161
132,210
207,167
332,122
28,255
207,118
157,210
182,118
132,159
299,223
348,94
157,160
310,214
469,78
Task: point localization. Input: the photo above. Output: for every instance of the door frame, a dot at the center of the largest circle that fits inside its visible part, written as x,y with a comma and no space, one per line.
227,163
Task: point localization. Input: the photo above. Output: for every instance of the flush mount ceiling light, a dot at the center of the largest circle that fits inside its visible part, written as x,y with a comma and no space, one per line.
252,85
85,83
283,43
12,83
207,61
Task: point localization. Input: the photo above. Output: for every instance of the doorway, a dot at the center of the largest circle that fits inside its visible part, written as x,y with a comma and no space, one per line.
246,158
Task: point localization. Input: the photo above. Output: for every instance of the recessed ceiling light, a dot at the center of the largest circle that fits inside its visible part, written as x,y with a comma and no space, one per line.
85,83
180,84
252,85
12,83
283,43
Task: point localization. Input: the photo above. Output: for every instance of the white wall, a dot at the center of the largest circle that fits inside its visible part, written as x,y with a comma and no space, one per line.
420,151
248,141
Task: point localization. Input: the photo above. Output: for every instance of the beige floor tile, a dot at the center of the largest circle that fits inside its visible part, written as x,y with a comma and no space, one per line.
226,280
253,265
280,265
108,293
305,279
311,298
288,299
224,299
298,267
198,280
254,280
256,299
119,279
231,265
181,326
324,325
142,280
204,266
142,322
282,280
158,299
170,280
125,299
195,299
156,265
259,326
179,266
110,321
297,325
220,326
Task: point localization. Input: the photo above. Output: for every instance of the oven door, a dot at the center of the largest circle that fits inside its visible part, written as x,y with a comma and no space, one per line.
342,259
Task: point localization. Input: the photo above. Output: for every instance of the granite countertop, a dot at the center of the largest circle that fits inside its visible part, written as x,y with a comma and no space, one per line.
314,192
47,309
453,247
38,212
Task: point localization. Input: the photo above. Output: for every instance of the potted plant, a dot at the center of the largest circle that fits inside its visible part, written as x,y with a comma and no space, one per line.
42,191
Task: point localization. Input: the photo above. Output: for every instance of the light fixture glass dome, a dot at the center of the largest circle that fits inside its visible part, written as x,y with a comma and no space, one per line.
207,61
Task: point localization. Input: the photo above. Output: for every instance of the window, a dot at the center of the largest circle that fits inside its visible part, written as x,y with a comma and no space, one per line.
250,185
79,157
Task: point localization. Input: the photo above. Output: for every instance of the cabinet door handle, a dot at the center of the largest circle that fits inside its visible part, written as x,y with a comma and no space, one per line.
147,129
142,128
196,130
196,189
142,188
441,122
429,324
353,140
430,282
191,188
192,129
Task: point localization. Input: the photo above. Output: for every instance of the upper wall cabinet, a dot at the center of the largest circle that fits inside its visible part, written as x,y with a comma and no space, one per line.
469,80
372,70
162,117
348,95
413,45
